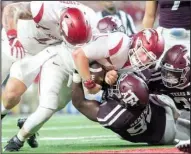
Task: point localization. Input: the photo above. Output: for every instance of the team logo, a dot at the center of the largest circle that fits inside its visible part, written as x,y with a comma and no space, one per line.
65,28
129,98
147,33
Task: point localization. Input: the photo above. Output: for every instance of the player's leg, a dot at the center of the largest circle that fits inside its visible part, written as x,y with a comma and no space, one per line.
22,74
11,95
183,124
170,129
51,80
7,59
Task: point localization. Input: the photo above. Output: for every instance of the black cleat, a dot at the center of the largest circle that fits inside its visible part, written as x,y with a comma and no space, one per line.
14,144
2,116
31,140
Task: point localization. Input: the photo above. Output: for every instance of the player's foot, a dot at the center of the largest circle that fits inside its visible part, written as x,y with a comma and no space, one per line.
32,141
2,116
14,144
184,146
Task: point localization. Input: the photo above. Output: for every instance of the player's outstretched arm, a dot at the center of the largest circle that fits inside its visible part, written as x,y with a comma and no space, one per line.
89,108
94,51
82,64
150,14
13,12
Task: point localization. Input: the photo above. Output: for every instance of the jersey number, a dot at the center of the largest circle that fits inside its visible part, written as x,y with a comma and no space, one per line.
141,126
175,5
183,100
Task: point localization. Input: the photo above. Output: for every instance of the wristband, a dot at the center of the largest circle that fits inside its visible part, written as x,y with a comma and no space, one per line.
89,84
76,78
11,34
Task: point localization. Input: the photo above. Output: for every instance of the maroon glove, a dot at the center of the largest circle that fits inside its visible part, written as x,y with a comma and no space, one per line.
17,49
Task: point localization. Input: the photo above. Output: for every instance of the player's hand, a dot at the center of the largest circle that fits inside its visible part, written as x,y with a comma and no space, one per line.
111,77
92,87
17,49
95,90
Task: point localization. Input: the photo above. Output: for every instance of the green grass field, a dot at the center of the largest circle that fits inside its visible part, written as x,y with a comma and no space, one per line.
71,133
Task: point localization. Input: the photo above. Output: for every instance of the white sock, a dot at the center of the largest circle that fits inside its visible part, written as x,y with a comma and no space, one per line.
3,109
20,136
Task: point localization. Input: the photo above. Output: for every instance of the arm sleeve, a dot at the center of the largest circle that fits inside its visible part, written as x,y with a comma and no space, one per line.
97,49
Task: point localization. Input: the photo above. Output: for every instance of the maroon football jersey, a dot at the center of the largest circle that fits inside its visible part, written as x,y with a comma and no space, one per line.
174,14
146,125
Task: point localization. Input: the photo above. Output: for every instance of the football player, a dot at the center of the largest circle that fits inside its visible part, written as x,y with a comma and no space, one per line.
128,109
116,50
55,26
173,79
59,27
32,125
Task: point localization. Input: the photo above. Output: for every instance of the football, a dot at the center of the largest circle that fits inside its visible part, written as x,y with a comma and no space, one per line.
97,72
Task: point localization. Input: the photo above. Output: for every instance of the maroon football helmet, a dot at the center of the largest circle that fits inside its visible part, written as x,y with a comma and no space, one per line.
110,24
131,90
74,27
146,48
175,67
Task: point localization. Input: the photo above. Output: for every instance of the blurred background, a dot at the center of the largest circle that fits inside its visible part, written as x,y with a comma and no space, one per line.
134,9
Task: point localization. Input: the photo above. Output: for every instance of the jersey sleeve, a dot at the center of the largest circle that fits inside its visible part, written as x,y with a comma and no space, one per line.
46,9
37,10
97,49
115,45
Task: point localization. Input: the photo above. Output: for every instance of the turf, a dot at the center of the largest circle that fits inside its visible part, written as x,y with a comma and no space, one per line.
71,133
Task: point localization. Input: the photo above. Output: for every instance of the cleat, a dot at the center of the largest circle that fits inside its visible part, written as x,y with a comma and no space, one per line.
31,140
14,144
184,146
2,116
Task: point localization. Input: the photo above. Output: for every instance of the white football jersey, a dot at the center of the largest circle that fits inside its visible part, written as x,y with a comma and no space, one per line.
109,49
46,15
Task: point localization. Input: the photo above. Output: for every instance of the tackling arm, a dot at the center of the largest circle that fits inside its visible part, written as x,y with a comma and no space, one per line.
89,108
150,14
13,12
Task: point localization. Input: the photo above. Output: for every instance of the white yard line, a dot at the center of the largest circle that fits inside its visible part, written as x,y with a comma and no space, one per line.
58,128
81,138
77,138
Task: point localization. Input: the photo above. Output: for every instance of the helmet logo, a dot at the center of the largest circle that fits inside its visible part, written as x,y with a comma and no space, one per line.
129,98
65,28
147,33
